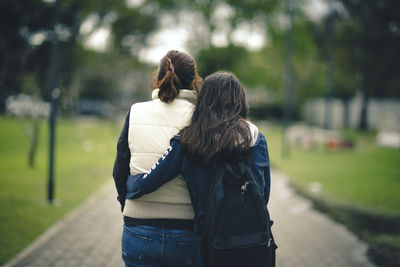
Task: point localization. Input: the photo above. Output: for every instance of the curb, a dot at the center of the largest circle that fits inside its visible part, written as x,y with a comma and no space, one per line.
56,227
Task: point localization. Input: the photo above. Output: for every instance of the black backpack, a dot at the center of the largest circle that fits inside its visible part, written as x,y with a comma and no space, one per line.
238,227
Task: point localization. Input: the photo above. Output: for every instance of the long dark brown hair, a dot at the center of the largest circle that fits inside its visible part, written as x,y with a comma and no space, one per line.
177,71
218,123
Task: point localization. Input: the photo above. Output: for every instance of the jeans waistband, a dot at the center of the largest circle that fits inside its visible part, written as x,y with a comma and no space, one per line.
161,223
159,231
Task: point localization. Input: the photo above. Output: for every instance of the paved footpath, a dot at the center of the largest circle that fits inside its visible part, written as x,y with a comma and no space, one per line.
90,235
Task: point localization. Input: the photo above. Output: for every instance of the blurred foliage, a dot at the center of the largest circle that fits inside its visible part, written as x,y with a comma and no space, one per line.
97,88
371,31
251,8
221,58
366,39
265,68
21,54
369,39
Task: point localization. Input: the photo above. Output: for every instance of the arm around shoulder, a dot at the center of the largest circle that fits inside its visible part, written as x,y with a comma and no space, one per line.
165,169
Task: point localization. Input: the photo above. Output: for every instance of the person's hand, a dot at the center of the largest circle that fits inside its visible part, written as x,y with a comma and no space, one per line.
121,202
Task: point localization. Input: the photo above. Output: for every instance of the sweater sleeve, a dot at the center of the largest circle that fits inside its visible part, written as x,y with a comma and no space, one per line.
165,169
121,165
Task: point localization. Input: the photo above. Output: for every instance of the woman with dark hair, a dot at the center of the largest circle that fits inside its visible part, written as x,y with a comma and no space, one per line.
166,215
218,132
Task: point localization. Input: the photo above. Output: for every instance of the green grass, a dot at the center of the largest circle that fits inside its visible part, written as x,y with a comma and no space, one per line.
359,187
24,211
366,177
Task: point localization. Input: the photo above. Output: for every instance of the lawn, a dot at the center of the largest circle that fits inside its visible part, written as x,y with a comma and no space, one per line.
366,177
85,151
359,187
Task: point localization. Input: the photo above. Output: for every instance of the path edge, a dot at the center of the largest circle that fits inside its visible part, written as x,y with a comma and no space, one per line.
57,226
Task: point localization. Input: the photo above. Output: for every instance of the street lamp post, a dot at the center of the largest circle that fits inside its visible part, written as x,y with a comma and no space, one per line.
55,92
289,82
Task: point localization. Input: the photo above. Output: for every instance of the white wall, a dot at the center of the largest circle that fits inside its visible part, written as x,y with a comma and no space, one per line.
383,114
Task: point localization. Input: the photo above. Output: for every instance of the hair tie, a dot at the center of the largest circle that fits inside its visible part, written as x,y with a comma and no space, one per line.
170,66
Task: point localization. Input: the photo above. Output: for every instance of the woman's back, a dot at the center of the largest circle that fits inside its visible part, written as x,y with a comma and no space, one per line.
156,223
146,134
151,125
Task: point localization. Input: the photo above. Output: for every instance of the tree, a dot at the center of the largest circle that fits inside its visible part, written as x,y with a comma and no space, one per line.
17,21
344,76
221,58
25,38
30,111
27,31
345,73
373,30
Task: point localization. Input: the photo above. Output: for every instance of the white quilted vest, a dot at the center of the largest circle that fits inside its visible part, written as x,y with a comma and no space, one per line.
151,126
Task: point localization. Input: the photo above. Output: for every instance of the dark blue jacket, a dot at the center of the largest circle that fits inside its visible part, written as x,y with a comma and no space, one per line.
197,175
121,168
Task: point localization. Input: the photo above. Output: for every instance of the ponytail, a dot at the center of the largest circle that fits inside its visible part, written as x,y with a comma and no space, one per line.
177,71
167,89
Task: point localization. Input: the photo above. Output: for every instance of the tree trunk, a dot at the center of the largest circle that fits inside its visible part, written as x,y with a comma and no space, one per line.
330,31
34,143
346,113
363,123
289,81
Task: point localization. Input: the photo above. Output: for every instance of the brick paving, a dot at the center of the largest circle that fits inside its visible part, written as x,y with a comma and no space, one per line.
88,236
307,237
91,234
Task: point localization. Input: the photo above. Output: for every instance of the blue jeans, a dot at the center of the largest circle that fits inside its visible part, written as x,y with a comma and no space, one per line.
146,246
